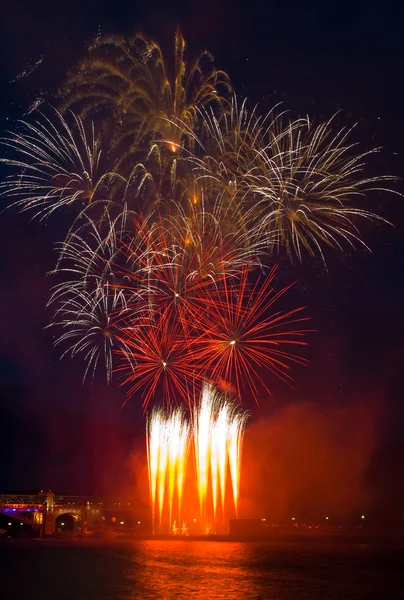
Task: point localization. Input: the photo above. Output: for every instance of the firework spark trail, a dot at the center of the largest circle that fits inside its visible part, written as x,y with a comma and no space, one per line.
161,360
88,323
172,458
222,424
306,179
219,451
154,437
167,441
214,464
143,301
235,441
91,302
218,428
178,256
218,434
242,334
130,83
183,448
292,181
163,263
177,438
162,470
203,422
58,165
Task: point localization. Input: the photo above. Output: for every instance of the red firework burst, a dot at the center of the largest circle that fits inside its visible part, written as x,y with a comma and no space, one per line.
243,334
196,325
159,360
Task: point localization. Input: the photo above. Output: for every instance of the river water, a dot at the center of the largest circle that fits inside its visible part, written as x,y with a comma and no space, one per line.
91,570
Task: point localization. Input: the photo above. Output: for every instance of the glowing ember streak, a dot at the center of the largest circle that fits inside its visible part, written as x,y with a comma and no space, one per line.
167,450
214,464
184,529
203,415
177,438
235,441
154,431
183,446
218,435
244,334
162,471
218,429
221,429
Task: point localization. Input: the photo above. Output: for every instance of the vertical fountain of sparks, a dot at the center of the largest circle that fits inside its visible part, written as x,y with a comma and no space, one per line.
178,441
203,421
162,470
172,442
235,442
154,430
167,450
222,428
218,429
183,447
214,464
218,434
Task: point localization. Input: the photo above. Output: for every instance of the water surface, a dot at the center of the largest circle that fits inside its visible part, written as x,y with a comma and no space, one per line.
95,570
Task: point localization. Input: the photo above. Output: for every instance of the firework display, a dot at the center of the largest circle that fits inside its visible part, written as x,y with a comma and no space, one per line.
178,201
175,197
217,435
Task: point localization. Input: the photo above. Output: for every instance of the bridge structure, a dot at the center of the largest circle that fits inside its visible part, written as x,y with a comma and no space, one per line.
46,510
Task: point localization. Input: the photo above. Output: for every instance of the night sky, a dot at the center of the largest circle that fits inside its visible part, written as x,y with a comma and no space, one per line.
315,58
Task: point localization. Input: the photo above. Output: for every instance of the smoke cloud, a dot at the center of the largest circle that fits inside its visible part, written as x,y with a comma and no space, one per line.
309,461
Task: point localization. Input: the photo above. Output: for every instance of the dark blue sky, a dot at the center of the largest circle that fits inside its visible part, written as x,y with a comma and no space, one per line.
316,58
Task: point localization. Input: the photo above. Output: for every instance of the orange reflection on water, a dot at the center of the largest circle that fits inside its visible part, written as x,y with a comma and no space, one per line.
197,570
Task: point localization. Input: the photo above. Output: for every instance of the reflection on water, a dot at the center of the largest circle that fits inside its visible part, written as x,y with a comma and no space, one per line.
201,570
87,570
